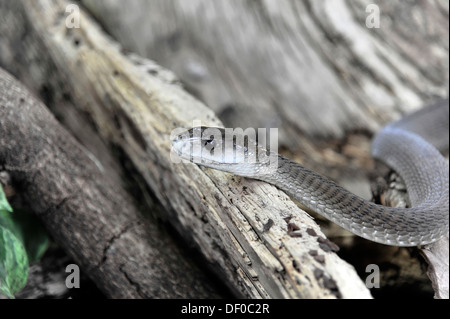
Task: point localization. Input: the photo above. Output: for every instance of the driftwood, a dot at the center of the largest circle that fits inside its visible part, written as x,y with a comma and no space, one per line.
256,240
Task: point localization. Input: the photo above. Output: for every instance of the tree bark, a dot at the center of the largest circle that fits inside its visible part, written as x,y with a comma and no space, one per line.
92,217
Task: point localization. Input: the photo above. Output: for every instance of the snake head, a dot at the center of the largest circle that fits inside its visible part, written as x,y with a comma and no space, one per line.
231,150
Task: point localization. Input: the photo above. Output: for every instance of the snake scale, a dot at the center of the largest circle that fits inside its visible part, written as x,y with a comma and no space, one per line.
409,146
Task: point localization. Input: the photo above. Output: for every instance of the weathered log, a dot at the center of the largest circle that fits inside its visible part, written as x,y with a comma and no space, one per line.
257,240
92,217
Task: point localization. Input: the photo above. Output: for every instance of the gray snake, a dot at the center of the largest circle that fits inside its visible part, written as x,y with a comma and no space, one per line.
409,146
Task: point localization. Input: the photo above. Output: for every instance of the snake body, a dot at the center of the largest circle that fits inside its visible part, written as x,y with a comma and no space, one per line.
408,146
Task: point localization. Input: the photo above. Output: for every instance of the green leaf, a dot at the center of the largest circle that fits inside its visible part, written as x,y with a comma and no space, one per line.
13,263
4,205
22,239
27,228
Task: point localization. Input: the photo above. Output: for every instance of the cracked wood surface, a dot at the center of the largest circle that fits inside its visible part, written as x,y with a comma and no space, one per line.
252,235
90,215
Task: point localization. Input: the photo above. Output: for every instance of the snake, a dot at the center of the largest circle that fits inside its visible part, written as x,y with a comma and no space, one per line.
410,146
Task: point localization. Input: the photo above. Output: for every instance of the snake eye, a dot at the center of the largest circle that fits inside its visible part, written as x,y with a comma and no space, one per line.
209,145
208,142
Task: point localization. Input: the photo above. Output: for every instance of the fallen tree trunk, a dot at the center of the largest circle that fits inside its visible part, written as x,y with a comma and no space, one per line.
90,215
256,240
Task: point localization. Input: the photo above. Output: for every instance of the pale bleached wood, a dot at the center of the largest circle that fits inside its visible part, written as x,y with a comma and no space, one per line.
437,257
135,105
309,67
